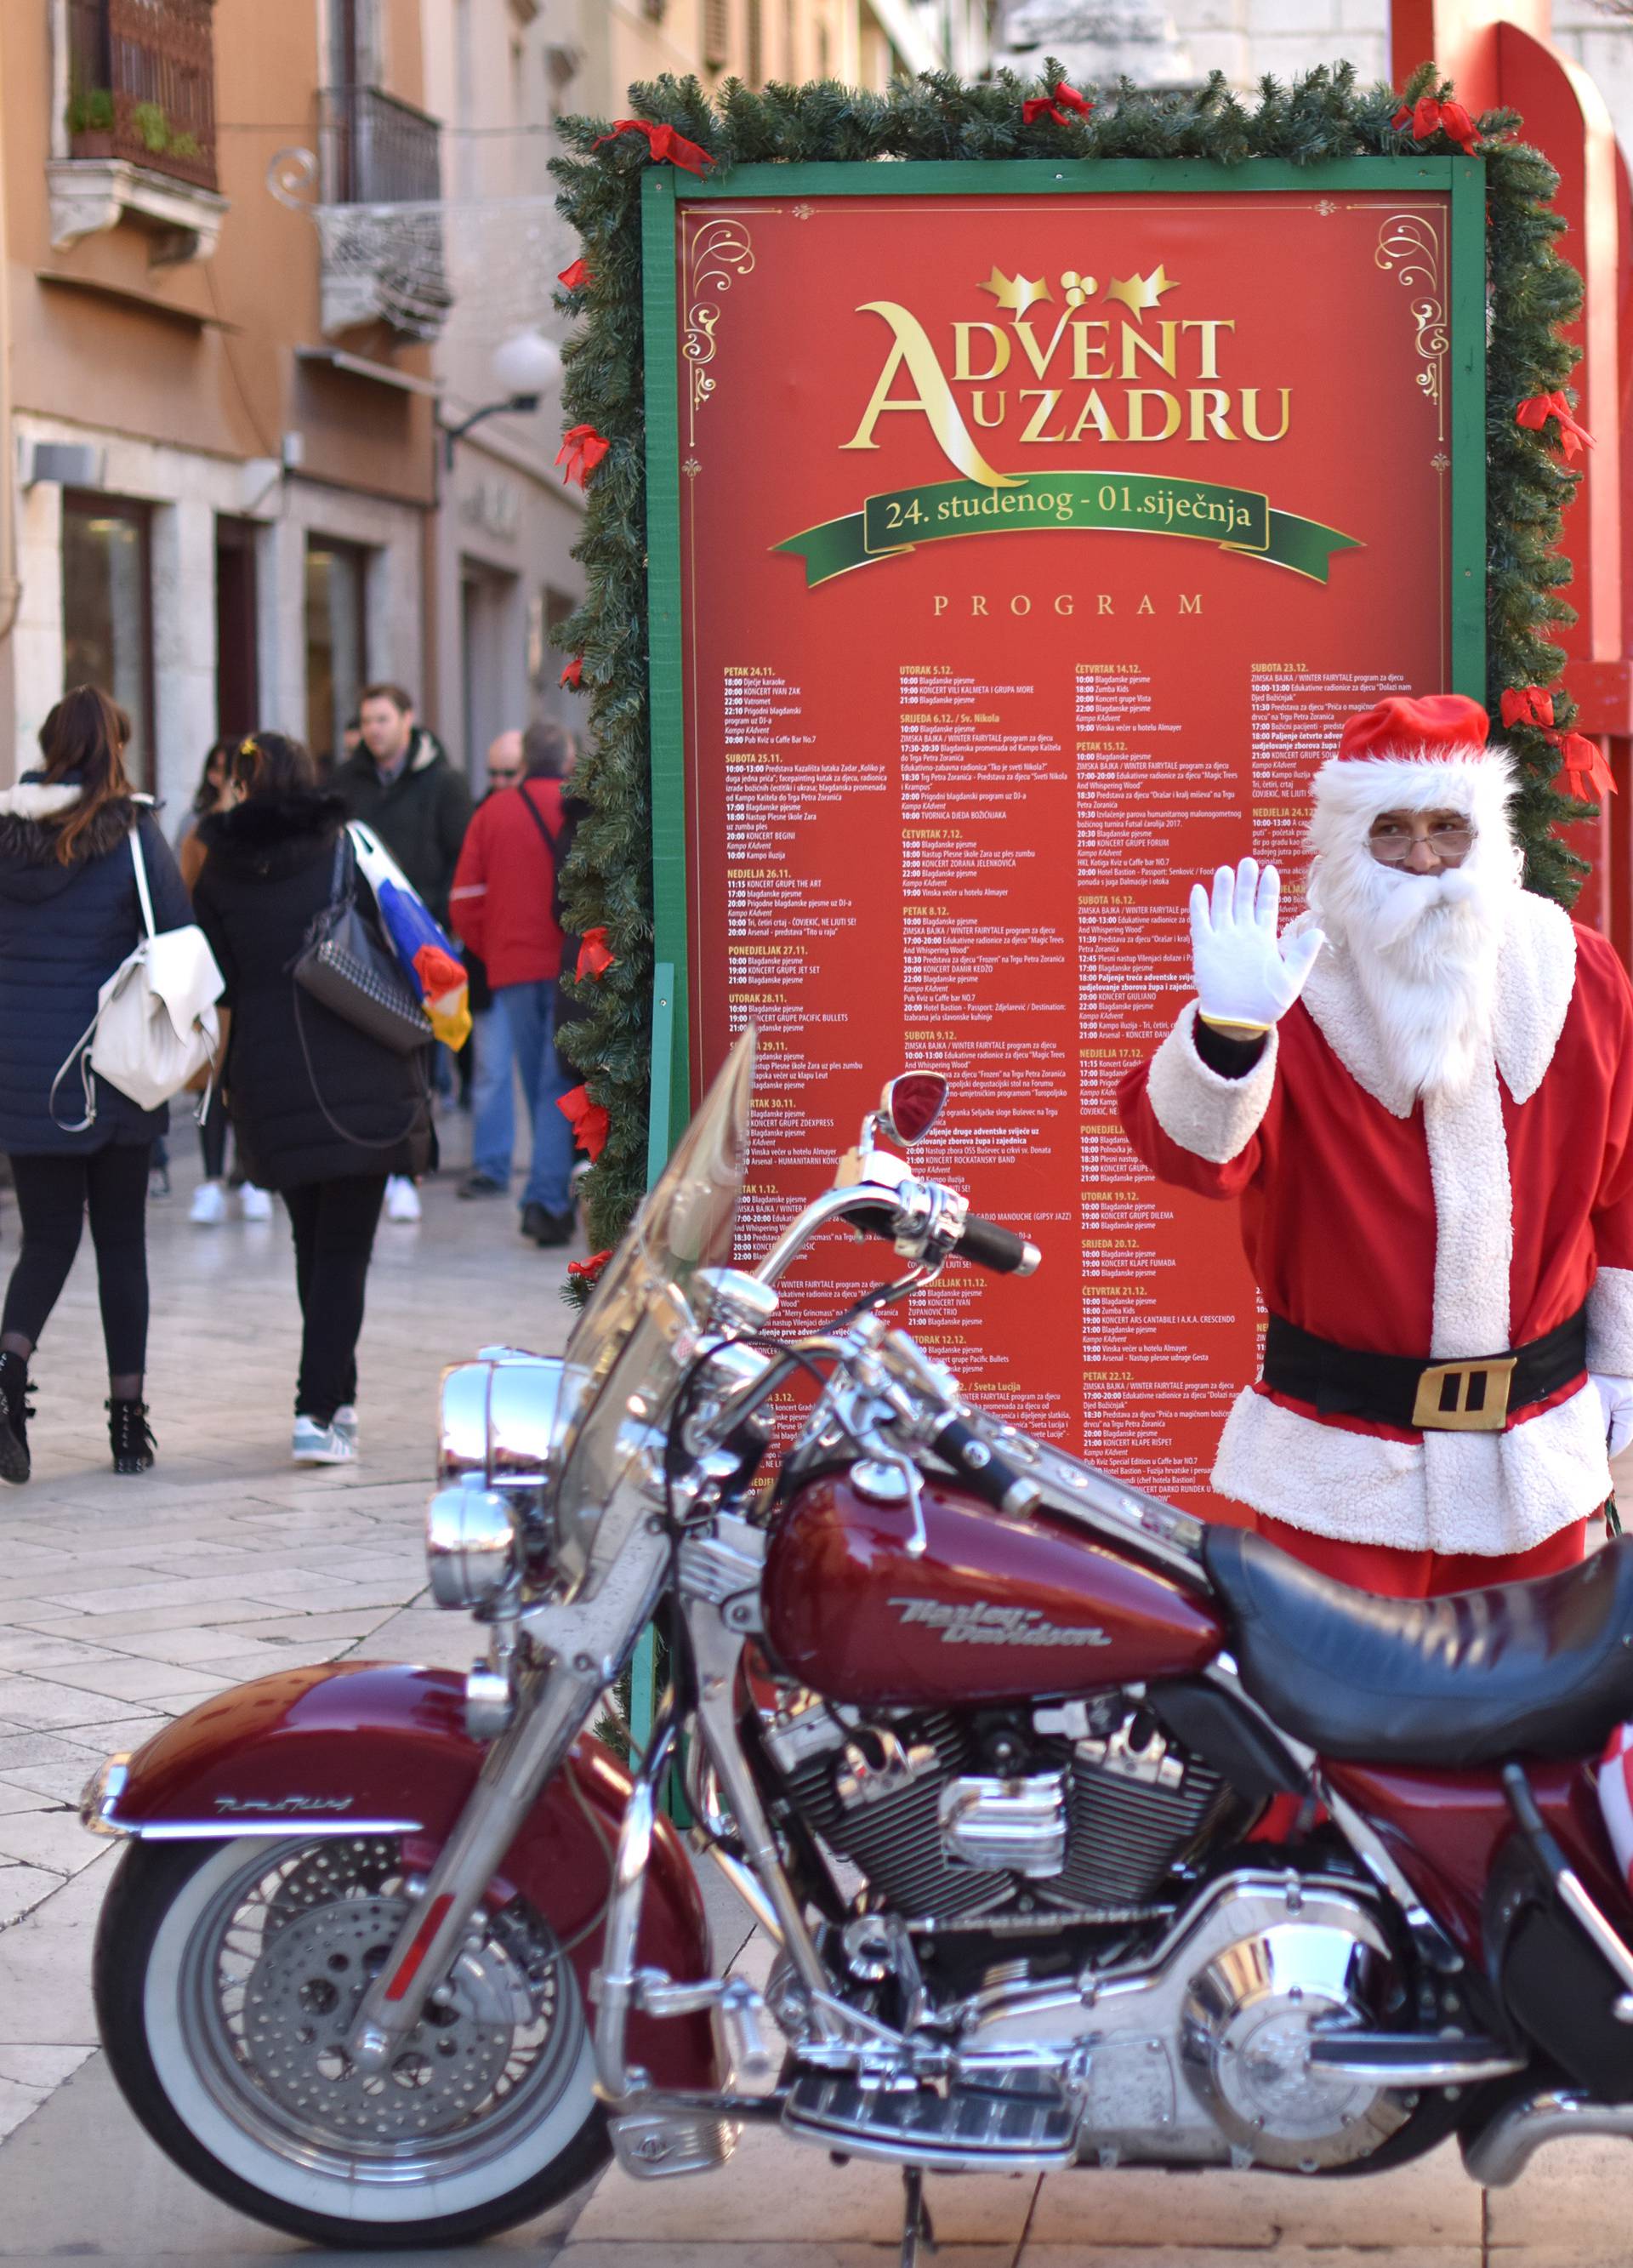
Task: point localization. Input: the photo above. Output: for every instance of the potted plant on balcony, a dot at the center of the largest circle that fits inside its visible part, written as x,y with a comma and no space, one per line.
91,122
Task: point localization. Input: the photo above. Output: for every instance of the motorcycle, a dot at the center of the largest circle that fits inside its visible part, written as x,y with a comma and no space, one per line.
1085,1833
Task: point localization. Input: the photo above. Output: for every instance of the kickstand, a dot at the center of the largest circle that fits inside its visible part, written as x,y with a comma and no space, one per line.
916,2227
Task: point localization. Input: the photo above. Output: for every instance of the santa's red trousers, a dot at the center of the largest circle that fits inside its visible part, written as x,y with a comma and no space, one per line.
1391,1574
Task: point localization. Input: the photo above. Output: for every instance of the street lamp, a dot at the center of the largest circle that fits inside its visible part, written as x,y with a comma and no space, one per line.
525,366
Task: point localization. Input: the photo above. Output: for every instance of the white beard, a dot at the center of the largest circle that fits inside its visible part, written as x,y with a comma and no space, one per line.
1425,953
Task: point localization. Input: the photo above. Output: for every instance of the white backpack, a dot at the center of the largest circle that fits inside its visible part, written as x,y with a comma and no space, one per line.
156,1023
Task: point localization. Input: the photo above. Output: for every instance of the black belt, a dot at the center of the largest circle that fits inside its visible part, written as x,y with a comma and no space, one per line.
1472,1396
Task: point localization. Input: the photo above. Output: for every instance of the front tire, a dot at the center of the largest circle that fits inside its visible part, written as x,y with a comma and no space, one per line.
224,1977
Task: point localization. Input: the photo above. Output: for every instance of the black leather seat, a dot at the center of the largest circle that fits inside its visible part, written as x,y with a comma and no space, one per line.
1525,1670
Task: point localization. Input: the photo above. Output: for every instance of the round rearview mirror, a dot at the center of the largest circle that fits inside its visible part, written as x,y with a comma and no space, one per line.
911,1104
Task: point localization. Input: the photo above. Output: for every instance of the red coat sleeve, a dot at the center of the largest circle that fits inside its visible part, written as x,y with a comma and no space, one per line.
1194,1128
467,900
1609,999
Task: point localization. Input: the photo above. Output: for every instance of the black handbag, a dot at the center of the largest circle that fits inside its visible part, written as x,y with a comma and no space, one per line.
344,965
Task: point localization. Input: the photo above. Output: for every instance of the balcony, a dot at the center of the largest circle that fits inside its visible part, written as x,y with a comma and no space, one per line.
136,135
142,86
380,176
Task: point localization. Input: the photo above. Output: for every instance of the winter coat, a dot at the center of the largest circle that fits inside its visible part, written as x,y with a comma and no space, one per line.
503,900
311,1097
63,932
1452,1227
421,816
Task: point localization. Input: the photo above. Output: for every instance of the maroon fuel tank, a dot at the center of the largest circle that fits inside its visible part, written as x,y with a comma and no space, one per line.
995,1610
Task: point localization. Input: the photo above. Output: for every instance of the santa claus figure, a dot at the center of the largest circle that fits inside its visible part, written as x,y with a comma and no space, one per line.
1421,1096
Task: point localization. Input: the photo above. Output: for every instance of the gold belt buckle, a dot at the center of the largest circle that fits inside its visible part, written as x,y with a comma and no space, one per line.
1479,1402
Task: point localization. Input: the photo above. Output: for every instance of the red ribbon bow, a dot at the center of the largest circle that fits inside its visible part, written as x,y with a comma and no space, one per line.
587,1270
573,278
587,1119
662,140
594,959
582,450
573,674
1426,117
1055,105
1583,767
1527,704
1535,413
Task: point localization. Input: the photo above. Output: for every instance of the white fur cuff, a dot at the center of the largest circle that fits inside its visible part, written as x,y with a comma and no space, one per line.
1610,1322
1211,1117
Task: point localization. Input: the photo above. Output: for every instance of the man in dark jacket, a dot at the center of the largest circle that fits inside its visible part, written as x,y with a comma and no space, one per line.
400,783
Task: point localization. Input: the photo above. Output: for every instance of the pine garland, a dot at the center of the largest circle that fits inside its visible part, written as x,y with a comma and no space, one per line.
1323,116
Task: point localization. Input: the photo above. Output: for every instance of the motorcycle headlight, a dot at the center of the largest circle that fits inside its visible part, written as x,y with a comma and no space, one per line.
495,1442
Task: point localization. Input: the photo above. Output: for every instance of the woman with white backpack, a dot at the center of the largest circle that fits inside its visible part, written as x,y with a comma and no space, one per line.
71,913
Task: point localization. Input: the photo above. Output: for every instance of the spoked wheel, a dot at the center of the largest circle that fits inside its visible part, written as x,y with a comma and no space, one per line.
227,1979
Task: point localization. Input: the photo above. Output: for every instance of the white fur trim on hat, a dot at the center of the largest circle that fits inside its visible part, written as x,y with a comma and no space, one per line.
1211,1117
1610,1322
1348,791
1487,1493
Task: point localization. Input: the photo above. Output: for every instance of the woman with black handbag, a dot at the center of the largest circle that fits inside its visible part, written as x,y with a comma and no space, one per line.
322,1110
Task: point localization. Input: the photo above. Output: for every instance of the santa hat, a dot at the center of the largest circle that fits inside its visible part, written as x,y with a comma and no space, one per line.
1431,754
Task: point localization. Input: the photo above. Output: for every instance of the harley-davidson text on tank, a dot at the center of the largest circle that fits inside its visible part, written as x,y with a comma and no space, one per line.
977,1622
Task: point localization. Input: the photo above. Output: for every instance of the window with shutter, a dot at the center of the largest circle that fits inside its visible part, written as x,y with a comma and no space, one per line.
756,59
717,32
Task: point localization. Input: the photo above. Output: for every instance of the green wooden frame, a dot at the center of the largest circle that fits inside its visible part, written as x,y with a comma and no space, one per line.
662,187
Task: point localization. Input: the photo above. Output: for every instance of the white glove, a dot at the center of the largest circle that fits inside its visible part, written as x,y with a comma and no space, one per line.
1245,975
1615,1399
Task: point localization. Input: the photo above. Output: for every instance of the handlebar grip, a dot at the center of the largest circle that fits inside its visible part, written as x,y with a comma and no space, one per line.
988,1475
989,1246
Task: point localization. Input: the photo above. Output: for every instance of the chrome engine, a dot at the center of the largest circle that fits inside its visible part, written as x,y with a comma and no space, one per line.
1182,2032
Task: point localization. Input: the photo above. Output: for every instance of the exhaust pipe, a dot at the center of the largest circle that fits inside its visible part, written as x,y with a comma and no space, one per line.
1500,2153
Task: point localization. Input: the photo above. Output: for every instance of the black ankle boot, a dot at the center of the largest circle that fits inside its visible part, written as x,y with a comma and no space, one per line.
15,1412
131,1436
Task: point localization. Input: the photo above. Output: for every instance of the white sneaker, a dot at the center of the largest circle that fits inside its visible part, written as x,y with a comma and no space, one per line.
319,1444
255,1204
208,1207
402,1199
345,1423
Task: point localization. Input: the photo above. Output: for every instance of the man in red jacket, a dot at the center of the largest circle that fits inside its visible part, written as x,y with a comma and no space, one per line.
1421,1095
503,906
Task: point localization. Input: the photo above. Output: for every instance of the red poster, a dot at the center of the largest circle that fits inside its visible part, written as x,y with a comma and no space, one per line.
1032,551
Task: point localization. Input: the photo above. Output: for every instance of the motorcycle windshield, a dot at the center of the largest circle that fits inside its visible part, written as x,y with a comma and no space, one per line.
622,1364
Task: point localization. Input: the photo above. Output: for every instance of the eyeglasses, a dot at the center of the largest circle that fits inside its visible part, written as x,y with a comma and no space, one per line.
502,780
1393,845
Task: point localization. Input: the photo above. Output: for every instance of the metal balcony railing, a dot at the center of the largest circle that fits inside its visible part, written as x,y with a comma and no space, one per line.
377,150
142,84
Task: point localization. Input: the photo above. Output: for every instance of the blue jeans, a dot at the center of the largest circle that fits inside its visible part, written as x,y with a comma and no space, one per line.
530,1015
493,1097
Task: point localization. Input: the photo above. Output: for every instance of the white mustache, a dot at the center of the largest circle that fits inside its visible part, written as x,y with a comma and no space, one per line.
1408,900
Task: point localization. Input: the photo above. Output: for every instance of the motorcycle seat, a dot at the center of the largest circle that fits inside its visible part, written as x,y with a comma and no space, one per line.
1542,1668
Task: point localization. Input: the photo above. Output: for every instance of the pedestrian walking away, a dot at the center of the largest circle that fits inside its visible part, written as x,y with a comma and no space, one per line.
70,914
400,783
493,1084
320,1112
504,908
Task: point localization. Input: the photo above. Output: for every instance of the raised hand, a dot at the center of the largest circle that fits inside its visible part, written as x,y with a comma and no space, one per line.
1247,977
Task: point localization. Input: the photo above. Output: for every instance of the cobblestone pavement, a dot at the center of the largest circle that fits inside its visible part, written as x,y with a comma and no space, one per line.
125,1602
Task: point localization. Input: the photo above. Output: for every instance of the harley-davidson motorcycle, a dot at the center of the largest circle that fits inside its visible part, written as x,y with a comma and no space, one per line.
1084,1833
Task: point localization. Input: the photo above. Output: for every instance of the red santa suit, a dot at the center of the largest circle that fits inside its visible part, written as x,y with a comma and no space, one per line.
1431,1226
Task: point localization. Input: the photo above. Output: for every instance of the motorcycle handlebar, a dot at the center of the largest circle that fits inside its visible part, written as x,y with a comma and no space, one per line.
978,1464
990,1246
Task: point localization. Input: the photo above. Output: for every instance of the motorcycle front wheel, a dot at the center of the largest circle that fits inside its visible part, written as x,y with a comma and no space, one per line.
225,1977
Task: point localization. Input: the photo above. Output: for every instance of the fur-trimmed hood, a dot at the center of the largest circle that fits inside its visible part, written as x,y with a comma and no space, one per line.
269,835
31,817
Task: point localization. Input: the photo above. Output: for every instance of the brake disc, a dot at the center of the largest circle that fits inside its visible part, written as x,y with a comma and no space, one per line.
301,1997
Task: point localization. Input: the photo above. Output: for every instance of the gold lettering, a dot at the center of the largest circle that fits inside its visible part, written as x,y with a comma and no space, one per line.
1162,354
1145,606
1020,604
1041,361
1083,346
1192,606
1063,603
1045,397
1210,330
940,605
1250,414
961,336
977,408
1216,417
977,606
1138,396
1095,414
933,398
1105,606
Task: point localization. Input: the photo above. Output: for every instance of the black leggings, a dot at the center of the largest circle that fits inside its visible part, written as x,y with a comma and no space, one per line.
53,1194
212,1136
333,1223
